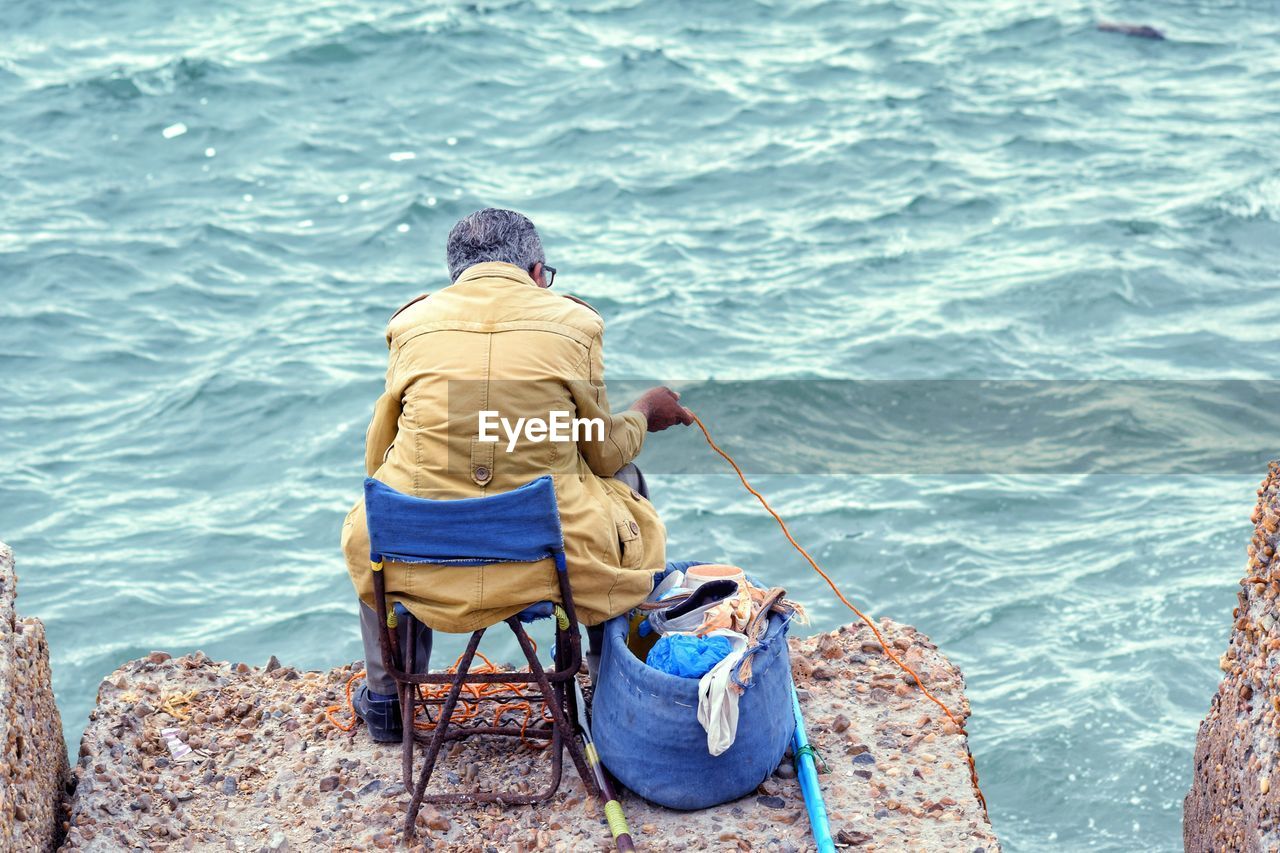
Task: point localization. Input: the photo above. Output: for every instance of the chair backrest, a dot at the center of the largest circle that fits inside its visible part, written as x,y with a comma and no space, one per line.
519,526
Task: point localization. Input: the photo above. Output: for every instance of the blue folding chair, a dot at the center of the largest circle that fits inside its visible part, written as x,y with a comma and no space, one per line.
520,526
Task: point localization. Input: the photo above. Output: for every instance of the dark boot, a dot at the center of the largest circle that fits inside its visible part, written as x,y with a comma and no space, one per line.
382,716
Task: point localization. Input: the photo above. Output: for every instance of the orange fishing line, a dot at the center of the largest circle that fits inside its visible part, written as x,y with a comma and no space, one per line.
973,770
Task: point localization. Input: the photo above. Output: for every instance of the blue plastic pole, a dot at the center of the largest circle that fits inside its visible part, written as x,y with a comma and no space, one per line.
807,773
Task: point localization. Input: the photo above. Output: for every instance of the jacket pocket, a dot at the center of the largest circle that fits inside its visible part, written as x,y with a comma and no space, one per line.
630,545
630,542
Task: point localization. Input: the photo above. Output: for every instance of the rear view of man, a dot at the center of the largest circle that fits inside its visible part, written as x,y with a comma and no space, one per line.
497,343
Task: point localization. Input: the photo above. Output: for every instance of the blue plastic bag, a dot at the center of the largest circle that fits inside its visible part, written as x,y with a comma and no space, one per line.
687,655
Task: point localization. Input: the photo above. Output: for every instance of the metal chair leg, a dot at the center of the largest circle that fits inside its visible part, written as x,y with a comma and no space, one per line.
567,696
558,696
408,693
568,737
438,736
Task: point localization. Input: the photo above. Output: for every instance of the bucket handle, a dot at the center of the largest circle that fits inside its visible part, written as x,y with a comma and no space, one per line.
762,645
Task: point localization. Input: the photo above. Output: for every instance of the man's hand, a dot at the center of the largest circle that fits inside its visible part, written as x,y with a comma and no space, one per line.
661,408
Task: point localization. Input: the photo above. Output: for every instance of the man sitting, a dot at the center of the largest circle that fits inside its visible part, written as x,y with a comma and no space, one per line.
499,342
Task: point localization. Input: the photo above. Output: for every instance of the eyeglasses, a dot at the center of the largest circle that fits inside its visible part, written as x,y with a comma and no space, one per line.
549,273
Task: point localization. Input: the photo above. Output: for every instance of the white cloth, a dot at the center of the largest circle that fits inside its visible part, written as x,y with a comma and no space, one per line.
718,698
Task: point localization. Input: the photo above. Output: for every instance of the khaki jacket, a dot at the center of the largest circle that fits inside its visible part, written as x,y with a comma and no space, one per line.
496,341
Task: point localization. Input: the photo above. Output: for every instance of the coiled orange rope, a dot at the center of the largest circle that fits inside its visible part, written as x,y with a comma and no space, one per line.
466,709
973,770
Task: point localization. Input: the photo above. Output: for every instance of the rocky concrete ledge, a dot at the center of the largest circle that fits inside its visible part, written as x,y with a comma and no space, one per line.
268,771
33,764
1232,804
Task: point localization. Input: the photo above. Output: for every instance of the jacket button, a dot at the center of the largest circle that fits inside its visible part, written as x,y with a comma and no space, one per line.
635,496
635,528
481,473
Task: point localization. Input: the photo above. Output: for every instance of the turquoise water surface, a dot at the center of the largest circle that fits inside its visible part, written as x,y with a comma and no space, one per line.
208,210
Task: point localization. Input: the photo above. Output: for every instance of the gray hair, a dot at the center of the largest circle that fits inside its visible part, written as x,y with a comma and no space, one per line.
493,234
